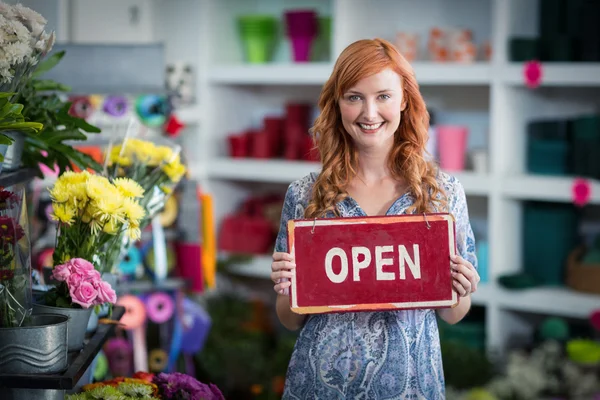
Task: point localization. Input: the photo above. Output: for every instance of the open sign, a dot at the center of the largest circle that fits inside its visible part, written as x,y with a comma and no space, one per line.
372,263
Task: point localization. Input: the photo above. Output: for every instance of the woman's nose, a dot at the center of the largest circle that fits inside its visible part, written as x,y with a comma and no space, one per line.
369,112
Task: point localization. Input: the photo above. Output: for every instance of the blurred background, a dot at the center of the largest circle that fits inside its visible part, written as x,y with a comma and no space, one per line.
512,89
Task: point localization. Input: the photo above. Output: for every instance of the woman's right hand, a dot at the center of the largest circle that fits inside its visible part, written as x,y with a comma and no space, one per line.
281,271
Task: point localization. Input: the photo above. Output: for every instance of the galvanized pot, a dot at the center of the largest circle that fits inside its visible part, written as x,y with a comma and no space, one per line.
78,322
38,346
12,158
32,394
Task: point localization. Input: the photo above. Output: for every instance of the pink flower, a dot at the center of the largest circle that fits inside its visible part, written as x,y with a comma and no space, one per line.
61,272
74,280
106,294
84,294
81,266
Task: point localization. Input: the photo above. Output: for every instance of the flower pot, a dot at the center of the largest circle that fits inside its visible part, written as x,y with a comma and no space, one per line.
3,149
38,346
78,322
12,158
32,394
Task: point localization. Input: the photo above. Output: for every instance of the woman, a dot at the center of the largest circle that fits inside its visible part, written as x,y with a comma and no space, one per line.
371,134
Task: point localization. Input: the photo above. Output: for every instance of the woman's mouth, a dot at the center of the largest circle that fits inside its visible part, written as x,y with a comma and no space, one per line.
370,128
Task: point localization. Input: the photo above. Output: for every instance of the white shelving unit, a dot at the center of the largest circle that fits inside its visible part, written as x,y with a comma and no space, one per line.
236,96
489,96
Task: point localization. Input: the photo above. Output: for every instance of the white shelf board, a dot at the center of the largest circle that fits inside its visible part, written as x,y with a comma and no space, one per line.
546,188
427,73
483,296
556,74
259,170
271,74
257,267
549,300
283,171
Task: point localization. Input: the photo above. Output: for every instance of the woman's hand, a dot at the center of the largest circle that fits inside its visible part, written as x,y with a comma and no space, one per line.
281,271
465,276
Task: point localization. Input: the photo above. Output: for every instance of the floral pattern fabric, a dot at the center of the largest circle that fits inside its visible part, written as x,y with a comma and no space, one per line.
370,355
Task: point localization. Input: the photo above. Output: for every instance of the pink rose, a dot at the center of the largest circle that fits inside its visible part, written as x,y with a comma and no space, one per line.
61,272
84,294
81,266
74,280
106,294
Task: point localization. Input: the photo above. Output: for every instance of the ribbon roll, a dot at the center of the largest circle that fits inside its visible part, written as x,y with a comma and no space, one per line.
131,261
81,107
157,360
196,325
115,106
160,307
45,258
96,100
134,320
152,110
101,369
170,212
119,355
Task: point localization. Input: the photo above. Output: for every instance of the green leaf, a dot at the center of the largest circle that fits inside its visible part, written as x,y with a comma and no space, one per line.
5,139
53,137
66,118
4,95
48,64
48,85
22,126
62,302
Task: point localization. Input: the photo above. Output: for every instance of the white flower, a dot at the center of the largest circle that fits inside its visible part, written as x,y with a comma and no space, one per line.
6,10
31,19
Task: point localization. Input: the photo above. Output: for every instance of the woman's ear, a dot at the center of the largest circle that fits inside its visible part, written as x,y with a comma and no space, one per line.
404,102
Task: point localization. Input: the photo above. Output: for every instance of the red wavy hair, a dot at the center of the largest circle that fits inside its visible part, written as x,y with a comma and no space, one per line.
338,154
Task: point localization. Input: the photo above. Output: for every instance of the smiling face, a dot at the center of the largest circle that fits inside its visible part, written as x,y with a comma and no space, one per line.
371,110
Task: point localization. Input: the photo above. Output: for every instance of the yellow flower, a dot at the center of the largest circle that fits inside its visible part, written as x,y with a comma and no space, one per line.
98,187
134,232
174,171
111,227
133,211
63,213
166,154
59,192
129,187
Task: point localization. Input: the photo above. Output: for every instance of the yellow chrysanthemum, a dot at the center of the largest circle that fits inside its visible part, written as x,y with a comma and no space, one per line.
134,232
134,212
59,192
98,187
110,207
174,171
112,227
63,213
129,187
166,154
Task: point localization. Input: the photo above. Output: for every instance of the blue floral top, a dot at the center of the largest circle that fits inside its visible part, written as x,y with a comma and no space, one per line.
370,355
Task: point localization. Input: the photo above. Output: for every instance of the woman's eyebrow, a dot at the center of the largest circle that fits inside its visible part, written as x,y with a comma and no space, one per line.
357,92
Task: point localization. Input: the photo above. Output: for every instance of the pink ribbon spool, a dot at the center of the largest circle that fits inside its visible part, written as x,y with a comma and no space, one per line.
160,307
134,320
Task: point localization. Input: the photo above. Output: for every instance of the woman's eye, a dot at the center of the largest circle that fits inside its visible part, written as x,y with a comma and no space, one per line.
354,97
384,96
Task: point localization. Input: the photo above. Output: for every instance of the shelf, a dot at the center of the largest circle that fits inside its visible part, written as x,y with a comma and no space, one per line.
283,171
271,74
549,300
9,178
427,73
556,74
257,267
546,188
78,363
483,296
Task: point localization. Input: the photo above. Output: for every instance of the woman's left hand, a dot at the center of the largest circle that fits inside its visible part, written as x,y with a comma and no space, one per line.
465,276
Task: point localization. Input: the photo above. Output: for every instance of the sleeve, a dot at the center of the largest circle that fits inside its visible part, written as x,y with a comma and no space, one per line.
287,213
465,240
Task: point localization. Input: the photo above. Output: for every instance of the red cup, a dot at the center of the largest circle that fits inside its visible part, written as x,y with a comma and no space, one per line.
301,46
238,146
273,129
452,146
309,150
260,146
301,23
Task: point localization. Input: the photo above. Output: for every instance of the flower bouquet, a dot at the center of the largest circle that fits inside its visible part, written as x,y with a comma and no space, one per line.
15,264
94,214
155,164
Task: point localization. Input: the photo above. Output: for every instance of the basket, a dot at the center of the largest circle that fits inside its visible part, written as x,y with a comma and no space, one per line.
583,278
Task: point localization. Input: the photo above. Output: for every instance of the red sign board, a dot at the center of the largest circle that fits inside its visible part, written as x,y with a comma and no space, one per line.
372,263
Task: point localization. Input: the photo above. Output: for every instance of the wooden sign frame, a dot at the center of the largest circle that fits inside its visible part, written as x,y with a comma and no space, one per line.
429,220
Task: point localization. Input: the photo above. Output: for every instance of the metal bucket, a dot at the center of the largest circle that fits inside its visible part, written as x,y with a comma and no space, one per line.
32,394
37,347
78,322
12,158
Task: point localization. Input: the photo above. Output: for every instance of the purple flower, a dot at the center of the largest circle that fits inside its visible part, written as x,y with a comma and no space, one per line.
181,386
